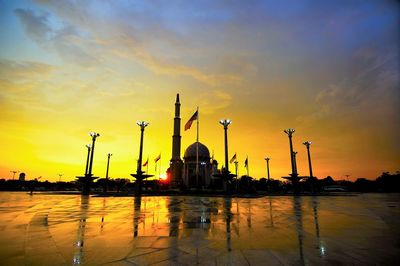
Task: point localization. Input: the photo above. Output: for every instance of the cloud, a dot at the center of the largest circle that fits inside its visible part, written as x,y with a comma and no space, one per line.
63,39
133,33
212,101
35,25
371,79
18,71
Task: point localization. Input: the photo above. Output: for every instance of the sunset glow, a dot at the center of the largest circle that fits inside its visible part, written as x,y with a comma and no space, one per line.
329,69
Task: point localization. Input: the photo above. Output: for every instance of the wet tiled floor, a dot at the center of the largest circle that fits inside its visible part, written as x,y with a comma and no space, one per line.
181,230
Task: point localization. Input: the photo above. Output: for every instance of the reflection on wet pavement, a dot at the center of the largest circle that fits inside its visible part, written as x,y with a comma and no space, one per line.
182,230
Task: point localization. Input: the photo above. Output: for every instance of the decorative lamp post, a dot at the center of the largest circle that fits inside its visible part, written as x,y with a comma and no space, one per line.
290,132
14,172
88,178
226,123
139,173
295,161
87,159
108,166
294,176
226,176
94,136
311,178
307,144
142,125
267,160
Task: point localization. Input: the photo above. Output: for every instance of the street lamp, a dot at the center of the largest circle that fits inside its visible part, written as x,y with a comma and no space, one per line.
295,161
60,175
139,173
307,144
94,136
14,172
290,132
226,123
108,165
267,160
87,159
142,125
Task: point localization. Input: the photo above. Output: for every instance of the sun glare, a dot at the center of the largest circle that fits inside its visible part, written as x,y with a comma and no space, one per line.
163,176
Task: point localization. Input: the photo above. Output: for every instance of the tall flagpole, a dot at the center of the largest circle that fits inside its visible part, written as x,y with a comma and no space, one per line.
197,148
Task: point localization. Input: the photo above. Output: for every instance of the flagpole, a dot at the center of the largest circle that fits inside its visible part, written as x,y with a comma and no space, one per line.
197,148
236,168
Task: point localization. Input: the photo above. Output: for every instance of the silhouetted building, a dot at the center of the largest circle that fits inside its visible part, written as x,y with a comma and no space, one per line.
21,177
176,164
191,178
185,174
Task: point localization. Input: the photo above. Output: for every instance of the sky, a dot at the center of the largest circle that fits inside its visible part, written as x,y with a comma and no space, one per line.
329,69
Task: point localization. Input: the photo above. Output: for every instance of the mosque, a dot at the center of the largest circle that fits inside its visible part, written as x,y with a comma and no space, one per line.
197,168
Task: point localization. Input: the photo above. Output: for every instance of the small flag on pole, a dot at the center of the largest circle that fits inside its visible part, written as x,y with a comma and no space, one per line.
145,164
158,158
189,123
246,163
233,159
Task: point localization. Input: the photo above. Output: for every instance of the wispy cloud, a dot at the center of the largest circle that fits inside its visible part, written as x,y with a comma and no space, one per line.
66,41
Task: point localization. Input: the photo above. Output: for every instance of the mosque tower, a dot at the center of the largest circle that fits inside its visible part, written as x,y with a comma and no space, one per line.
176,164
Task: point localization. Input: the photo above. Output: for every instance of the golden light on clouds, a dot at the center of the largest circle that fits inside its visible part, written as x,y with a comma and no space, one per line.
66,70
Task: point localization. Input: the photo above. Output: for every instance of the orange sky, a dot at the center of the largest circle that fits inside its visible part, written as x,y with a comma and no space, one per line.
328,70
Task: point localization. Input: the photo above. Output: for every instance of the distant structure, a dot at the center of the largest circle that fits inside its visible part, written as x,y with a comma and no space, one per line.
176,164
21,177
182,173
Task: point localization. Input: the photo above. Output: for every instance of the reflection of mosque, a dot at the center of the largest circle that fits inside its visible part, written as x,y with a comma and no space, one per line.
196,170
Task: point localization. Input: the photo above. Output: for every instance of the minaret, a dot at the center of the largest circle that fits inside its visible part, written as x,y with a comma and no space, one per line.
176,161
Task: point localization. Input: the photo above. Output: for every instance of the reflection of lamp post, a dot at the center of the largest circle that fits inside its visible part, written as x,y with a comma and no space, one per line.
307,144
94,136
108,166
226,123
290,132
267,160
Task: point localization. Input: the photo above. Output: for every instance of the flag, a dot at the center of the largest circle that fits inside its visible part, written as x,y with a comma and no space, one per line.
189,123
145,164
156,160
233,159
246,163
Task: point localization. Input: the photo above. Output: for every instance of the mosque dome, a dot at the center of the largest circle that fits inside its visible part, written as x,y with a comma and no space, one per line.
190,153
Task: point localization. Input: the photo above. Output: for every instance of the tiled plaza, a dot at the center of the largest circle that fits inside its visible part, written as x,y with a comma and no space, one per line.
179,230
